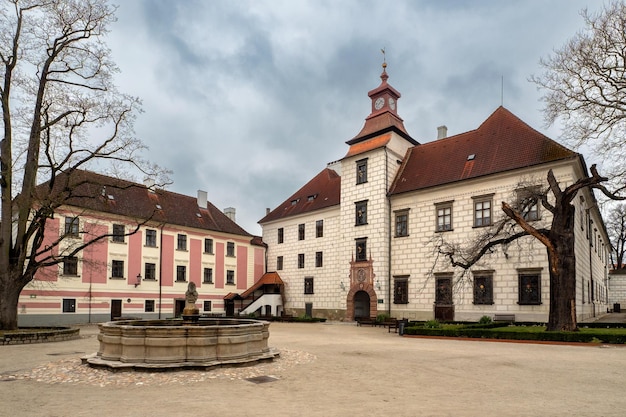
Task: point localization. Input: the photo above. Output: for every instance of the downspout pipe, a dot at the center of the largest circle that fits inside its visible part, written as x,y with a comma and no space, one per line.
161,270
389,232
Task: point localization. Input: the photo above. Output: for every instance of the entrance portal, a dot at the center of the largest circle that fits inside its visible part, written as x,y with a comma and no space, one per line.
361,305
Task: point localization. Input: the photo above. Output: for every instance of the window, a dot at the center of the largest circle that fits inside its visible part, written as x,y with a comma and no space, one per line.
402,223
230,277
361,171
444,217
443,290
151,238
149,272
70,265
529,288
149,306
281,235
482,212
301,260
207,305
208,276
319,228
319,261
483,288
118,233
71,226
401,290
531,212
527,199
279,263
308,285
301,231
230,249
361,249
181,273
69,305
361,213
117,269
208,245
182,242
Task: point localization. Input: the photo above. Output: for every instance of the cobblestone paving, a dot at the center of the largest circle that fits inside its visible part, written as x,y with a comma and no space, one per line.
72,371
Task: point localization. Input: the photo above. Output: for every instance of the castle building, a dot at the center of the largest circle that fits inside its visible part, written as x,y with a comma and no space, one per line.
361,237
155,243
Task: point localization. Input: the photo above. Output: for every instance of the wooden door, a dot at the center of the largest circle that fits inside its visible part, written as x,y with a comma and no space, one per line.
444,307
116,309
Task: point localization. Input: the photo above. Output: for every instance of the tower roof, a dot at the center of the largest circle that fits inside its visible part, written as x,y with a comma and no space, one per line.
384,116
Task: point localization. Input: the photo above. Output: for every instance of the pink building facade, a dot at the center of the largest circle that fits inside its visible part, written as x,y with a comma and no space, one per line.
142,274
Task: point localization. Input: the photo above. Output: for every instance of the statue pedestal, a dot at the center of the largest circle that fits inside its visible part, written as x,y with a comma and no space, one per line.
191,314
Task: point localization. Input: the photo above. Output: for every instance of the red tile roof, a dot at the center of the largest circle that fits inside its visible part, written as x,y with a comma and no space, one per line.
322,191
88,190
502,143
381,123
368,145
269,278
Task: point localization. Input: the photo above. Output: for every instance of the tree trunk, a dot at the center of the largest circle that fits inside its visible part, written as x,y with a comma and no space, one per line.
562,261
10,289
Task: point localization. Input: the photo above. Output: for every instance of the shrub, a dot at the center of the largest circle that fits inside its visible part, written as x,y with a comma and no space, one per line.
432,324
382,317
485,320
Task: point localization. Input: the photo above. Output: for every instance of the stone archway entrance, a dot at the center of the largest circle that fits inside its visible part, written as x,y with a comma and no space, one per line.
361,302
361,305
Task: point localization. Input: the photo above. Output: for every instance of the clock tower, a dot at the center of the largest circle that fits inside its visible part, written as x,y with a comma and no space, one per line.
367,171
384,114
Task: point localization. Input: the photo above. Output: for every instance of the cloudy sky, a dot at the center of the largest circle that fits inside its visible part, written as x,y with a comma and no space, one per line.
248,100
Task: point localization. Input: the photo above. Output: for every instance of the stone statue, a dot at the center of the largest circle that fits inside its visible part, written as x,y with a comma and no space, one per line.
191,312
191,295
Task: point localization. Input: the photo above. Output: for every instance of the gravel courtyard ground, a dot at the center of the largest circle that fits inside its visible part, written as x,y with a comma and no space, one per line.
328,369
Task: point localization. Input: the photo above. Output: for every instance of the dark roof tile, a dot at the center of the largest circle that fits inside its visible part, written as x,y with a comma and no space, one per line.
89,190
321,192
502,143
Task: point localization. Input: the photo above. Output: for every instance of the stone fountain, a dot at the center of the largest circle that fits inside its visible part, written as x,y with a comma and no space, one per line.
194,342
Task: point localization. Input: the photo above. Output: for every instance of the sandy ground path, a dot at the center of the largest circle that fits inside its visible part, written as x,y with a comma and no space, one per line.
329,369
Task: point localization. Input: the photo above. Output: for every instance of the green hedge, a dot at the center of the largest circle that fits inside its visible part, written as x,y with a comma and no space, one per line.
537,333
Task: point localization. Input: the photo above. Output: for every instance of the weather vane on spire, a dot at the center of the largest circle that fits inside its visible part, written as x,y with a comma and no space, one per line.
384,58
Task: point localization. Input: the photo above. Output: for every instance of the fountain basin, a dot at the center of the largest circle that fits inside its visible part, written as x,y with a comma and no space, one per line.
171,344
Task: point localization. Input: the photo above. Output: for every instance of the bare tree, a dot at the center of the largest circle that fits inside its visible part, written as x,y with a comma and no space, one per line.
584,86
61,113
616,227
558,240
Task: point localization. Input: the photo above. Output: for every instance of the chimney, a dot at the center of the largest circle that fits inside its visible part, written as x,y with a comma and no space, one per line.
202,199
442,132
267,211
149,183
230,213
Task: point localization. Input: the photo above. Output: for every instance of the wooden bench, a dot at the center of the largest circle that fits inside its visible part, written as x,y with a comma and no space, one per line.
504,317
371,321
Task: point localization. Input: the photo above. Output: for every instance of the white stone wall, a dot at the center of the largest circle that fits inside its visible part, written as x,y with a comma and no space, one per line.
617,286
327,278
415,254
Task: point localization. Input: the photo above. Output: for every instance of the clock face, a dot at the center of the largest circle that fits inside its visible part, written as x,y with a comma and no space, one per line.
379,103
360,275
392,104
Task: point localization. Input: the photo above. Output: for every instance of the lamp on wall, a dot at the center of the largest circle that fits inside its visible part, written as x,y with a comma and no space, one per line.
343,287
138,282
378,285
